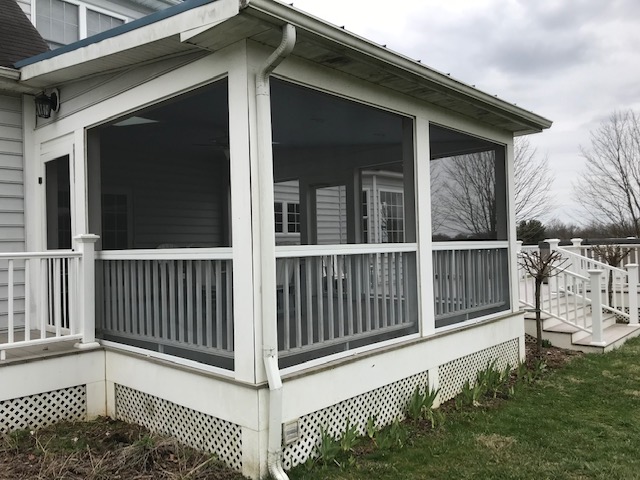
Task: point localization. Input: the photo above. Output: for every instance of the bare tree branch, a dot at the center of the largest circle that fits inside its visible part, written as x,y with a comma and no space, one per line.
609,188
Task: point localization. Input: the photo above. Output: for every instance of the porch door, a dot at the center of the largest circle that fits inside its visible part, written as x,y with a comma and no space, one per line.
58,203
58,211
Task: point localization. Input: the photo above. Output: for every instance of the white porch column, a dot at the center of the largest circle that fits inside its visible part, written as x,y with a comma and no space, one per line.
596,307
86,291
632,272
423,223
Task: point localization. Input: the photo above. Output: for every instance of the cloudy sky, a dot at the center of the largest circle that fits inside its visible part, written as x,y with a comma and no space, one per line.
573,62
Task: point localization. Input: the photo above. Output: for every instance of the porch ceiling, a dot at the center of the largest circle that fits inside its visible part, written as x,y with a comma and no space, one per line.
318,42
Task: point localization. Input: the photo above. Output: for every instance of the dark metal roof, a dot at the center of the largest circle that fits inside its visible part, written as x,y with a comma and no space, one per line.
18,37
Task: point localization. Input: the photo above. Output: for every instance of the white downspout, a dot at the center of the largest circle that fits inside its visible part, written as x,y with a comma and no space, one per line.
268,274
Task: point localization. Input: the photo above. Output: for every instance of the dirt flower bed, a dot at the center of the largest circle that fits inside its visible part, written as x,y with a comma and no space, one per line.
103,449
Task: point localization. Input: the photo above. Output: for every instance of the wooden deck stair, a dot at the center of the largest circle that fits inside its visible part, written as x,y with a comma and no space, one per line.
568,336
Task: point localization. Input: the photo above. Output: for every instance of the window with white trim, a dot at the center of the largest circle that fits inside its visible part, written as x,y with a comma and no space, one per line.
391,217
287,217
61,22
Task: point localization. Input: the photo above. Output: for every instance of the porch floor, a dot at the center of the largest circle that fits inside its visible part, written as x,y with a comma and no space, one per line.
35,351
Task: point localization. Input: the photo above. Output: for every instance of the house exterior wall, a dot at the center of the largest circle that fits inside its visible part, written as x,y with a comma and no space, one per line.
12,230
11,174
189,214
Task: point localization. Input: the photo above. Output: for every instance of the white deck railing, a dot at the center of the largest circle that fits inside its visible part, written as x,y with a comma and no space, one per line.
40,298
339,294
173,298
471,279
614,281
582,288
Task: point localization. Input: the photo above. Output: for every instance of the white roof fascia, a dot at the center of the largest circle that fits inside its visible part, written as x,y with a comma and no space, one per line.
10,82
316,26
211,13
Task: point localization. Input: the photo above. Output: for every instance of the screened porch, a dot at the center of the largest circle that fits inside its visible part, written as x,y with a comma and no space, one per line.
344,228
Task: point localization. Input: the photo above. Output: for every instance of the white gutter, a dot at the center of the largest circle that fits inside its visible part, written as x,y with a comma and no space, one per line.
10,81
267,250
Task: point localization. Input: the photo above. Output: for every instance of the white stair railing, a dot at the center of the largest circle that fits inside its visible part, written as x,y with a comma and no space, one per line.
572,293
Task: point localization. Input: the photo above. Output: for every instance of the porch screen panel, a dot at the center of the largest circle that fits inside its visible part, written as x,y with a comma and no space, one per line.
469,226
164,207
344,223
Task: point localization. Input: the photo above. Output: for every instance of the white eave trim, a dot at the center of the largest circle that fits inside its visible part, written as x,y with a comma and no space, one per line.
318,27
10,81
210,13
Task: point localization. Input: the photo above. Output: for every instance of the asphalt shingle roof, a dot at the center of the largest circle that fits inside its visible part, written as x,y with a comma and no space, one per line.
18,37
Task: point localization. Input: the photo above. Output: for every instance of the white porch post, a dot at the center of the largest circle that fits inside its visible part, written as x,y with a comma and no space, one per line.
632,272
423,237
86,291
576,242
553,246
596,307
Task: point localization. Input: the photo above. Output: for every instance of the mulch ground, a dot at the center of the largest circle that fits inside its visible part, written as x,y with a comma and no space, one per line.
100,450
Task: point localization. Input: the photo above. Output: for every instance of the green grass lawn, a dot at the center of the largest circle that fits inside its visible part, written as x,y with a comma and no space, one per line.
581,421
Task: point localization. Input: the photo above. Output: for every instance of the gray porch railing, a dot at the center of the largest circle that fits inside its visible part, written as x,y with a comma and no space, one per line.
176,301
471,279
338,297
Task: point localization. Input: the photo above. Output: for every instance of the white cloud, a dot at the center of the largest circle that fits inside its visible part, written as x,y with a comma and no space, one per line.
574,62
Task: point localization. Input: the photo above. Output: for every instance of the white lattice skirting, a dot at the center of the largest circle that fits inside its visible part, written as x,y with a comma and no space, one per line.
390,401
452,375
385,403
43,409
198,430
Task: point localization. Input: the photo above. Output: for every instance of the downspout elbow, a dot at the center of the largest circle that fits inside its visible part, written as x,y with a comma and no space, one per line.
279,54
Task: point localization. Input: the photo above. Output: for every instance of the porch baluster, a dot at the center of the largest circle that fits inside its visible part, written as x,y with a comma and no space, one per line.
596,307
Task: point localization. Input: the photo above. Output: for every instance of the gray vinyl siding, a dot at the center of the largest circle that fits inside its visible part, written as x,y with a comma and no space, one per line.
331,205
12,234
172,201
11,175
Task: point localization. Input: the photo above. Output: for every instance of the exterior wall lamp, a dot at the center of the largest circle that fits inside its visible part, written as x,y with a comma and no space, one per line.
45,104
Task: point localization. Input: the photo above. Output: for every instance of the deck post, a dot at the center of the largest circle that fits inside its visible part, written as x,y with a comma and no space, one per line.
553,280
596,307
86,291
632,272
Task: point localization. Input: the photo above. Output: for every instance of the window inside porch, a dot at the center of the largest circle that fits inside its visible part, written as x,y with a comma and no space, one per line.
159,197
345,267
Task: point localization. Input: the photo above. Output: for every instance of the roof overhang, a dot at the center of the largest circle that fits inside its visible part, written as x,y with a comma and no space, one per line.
215,24
10,82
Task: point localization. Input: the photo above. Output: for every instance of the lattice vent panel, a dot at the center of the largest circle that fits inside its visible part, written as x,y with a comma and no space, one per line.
385,403
198,430
452,375
43,409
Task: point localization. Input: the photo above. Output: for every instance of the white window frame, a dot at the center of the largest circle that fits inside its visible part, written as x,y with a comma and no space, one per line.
285,219
379,206
82,15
